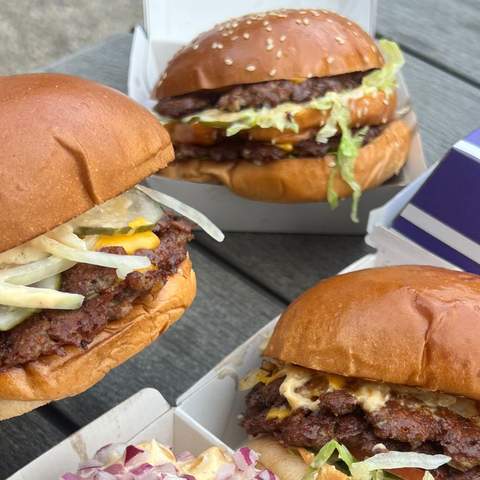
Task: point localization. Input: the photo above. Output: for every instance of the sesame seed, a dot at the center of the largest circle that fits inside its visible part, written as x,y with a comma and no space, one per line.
283,38
310,75
331,163
195,46
228,25
279,54
298,21
230,31
248,22
235,37
349,23
268,28
250,68
329,20
306,21
265,23
217,45
384,120
365,58
315,13
340,40
246,36
385,101
373,49
220,28
272,72
224,34
269,44
330,60
302,12
228,61
235,24
326,12
355,34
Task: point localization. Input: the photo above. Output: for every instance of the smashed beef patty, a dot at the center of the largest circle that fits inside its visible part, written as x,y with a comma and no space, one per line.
401,426
106,299
232,149
257,95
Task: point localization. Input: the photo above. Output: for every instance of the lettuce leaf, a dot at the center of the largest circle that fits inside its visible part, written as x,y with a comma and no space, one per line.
373,468
385,78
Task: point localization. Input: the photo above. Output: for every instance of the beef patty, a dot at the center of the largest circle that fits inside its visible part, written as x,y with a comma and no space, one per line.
405,425
107,299
232,149
256,95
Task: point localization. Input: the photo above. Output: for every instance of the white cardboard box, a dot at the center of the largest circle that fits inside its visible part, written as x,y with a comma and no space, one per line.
208,412
168,26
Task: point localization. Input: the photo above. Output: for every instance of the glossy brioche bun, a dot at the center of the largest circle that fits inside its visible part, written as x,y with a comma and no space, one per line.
54,377
301,179
408,325
63,141
277,45
287,465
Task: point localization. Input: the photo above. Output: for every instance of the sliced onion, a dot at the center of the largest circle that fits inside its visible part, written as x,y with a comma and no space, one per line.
36,271
64,234
22,254
110,260
110,452
244,457
30,297
185,456
131,452
115,469
225,471
266,475
141,469
189,212
71,476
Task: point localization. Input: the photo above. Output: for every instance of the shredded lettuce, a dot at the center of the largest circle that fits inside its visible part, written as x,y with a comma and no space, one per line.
384,79
373,468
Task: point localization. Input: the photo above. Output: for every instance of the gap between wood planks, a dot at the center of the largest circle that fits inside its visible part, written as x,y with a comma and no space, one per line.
434,63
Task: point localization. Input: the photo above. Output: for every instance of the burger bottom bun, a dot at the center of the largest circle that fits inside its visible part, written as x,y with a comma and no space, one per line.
294,180
54,377
287,465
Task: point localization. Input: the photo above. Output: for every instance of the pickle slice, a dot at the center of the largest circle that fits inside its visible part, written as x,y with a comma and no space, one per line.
110,231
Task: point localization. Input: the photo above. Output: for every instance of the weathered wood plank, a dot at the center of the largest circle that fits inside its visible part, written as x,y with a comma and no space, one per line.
226,312
445,32
24,438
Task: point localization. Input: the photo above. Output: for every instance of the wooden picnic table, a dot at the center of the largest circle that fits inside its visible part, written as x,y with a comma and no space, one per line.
247,280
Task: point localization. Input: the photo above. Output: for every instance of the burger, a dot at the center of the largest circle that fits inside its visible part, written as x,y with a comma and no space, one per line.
369,372
285,106
154,461
92,267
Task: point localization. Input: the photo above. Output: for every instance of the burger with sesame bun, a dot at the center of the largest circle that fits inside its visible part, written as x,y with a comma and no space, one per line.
285,106
93,267
372,375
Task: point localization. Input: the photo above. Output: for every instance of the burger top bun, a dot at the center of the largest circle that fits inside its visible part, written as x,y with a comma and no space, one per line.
277,45
409,325
66,145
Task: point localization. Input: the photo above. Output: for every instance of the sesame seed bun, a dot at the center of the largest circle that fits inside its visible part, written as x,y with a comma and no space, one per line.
63,141
407,325
277,45
293,180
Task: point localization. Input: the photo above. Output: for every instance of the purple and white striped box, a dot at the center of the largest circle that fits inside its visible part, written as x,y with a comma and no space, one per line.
443,216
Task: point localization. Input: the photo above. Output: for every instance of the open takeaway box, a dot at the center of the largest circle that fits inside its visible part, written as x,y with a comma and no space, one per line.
168,26
417,227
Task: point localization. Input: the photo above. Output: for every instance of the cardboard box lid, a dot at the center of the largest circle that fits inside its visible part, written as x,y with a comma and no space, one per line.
436,218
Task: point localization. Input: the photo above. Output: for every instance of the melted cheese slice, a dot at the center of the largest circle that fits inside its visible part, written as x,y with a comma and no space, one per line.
130,243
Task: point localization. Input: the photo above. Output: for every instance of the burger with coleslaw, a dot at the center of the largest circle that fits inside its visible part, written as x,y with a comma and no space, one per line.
285,106
372,374
93,267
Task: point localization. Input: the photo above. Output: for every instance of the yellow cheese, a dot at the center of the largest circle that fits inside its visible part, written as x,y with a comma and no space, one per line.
287,147
335,382
296,377
130,242
278,413
372,396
